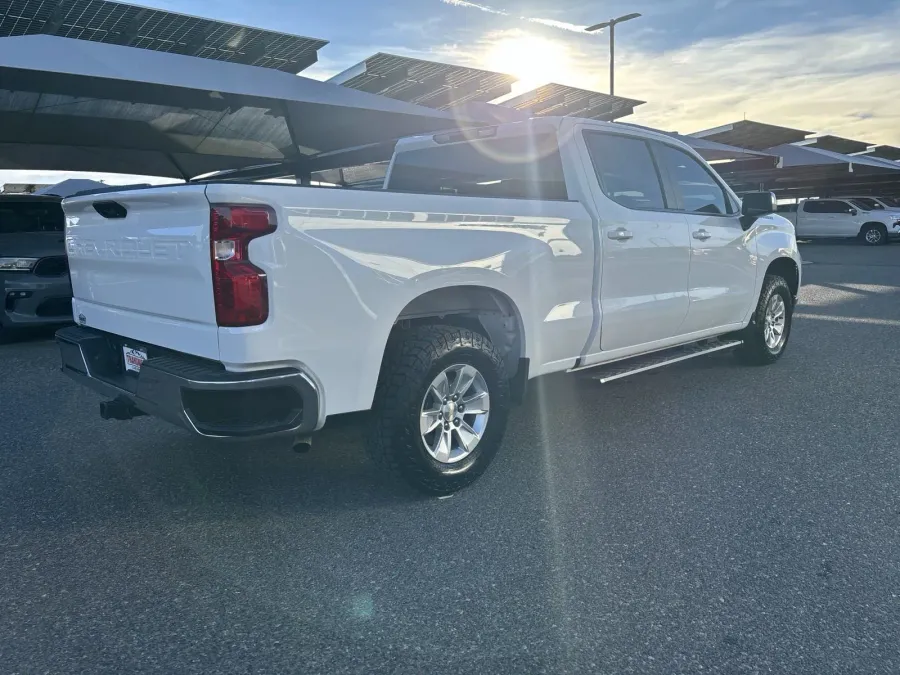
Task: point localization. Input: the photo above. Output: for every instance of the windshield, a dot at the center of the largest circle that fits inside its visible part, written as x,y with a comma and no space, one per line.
18,216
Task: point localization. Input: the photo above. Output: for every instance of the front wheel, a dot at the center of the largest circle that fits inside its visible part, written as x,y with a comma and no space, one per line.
874,234
765,339
440,408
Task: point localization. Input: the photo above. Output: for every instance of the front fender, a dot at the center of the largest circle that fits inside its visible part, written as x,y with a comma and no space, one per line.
774,238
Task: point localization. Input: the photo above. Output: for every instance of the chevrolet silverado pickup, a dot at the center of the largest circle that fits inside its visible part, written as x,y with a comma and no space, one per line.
843,218
486,258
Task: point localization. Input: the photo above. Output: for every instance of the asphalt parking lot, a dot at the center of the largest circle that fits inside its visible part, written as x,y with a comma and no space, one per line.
704,518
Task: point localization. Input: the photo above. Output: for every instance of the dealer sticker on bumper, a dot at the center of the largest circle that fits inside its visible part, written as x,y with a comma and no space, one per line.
134,359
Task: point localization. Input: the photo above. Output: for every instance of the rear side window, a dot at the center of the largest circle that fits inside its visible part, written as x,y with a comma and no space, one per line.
518,167
813,207
625,170
694,184
19,216
825,206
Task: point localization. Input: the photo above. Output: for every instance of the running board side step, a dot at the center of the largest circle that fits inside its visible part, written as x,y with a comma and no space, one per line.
607,372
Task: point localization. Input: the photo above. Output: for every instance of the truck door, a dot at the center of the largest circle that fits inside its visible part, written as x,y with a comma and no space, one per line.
645,245
812,218
843,219
722,282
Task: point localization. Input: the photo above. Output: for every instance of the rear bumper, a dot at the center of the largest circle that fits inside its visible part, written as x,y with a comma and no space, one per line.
196,394
28,300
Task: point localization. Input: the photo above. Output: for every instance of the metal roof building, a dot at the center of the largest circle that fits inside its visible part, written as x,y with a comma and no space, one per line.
428,83
133,26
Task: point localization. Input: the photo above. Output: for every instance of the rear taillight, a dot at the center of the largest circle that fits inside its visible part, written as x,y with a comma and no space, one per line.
239,287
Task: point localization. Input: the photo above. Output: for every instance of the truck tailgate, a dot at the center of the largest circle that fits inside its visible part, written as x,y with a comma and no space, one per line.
145,272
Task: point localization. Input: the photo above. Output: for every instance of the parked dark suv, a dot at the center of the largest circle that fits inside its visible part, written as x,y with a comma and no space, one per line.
34,273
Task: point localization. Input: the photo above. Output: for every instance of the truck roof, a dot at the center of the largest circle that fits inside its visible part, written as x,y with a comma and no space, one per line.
521,128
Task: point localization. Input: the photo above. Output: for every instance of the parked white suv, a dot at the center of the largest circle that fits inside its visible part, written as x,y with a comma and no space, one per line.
841,218
491,256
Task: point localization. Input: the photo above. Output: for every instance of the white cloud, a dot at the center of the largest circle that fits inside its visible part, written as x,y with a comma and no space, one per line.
842,80
552,23
837,78
474,5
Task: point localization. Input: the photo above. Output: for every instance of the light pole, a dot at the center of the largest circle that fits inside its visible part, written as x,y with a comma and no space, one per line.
612,44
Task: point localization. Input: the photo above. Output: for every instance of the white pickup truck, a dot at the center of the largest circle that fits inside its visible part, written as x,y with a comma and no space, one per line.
842,218
490,256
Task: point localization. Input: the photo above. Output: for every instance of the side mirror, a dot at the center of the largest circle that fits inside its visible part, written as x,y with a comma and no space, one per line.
756,204
853,212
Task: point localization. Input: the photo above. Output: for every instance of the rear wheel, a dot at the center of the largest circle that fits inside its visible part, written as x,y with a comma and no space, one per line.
874,234
440,408
765,339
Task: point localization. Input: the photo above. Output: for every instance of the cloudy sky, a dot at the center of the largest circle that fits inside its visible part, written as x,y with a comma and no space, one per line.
824,65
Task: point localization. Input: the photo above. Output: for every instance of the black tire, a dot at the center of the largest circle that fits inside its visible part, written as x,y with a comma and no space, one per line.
413,360
755,351
874,234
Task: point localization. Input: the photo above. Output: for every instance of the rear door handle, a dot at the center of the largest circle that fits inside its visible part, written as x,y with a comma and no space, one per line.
702,235
619,234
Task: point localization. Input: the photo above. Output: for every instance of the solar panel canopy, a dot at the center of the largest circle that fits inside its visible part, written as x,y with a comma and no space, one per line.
838,144
74,105
559,99
428,83
888,152
752,135
134,26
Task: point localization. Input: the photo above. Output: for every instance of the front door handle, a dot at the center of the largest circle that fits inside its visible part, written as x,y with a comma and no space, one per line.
619,234
702,235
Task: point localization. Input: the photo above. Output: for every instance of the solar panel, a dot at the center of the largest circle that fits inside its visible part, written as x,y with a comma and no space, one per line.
753,135
839,144
145,28
559,99
886,152
436,85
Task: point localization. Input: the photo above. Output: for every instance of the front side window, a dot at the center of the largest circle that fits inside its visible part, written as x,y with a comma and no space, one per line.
517,167
838,207
698,191
625,170
867,204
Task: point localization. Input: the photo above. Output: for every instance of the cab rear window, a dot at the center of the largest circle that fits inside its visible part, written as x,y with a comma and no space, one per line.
518,167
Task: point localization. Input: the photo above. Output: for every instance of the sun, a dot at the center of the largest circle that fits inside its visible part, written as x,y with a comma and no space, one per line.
531,59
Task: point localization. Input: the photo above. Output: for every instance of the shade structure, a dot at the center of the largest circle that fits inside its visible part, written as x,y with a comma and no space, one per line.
129,25
429,83
76,105
885,152
752,135
713,151
810,171
559,99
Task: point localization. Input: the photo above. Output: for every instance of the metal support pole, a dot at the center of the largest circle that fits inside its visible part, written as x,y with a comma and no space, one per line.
612,58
